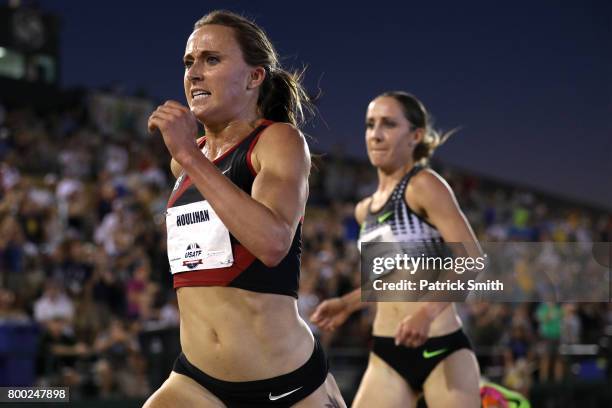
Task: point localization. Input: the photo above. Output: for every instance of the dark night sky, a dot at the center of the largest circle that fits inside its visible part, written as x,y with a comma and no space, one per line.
530,82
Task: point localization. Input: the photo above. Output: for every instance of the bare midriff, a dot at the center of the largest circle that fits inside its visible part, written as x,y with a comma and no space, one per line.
390,314
236,335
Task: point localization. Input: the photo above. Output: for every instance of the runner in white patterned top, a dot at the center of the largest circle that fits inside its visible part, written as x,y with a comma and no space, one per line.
419,347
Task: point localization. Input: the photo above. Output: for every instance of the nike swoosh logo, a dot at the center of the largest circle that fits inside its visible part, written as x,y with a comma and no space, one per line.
226,171
276,397
430,354
383,217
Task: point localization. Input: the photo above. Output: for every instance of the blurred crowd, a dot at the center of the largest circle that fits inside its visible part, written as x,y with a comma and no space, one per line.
82,247
83,257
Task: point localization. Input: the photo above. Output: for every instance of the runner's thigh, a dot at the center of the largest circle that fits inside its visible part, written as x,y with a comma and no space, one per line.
383,387
181,391
326,396
454,382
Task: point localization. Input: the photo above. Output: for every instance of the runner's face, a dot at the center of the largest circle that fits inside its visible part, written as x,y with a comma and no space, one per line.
389,136
216,76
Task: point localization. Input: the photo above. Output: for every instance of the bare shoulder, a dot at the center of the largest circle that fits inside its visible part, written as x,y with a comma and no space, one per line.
361,209
281,142
428,178
428,182
427,188
282,135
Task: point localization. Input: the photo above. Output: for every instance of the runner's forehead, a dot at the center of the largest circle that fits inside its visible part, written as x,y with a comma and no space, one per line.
209,38
194,43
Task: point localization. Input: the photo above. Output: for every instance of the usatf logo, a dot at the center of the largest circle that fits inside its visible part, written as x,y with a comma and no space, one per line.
192,251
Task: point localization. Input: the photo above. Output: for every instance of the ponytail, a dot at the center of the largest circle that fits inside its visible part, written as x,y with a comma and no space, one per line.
282,97
419,118
431,141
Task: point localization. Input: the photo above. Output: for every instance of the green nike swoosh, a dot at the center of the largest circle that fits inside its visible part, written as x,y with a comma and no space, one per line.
383,217
430,354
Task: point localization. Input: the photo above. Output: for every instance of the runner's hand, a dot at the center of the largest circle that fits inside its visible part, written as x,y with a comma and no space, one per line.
330,314
413,330
178,127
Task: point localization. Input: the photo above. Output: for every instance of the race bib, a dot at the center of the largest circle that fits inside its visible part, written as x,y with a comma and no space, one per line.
197,239
383,233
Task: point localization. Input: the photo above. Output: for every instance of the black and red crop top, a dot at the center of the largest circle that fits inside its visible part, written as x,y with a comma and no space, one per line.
246,271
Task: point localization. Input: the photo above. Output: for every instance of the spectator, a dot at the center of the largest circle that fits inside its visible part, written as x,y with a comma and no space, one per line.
549,317
53,304
59,352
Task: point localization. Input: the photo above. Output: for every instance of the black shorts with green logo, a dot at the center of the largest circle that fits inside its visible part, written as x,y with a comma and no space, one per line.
415,364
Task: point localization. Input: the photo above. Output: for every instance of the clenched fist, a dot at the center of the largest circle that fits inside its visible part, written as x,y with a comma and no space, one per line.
178,127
